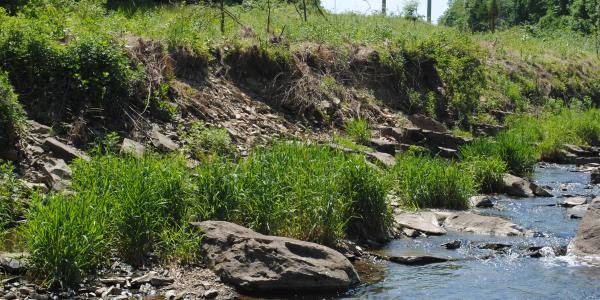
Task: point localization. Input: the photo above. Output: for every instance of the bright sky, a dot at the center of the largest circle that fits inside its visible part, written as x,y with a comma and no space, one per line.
393,6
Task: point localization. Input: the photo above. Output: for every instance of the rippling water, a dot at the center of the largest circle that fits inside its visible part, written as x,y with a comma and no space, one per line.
483,274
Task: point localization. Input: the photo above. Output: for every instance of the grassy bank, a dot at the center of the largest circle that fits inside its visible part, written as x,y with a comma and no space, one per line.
137,208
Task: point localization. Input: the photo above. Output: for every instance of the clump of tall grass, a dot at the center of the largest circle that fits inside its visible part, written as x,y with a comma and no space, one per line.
202,141
121,205
296,190
487,172
11,192
512,147
358,130
426,182
67,236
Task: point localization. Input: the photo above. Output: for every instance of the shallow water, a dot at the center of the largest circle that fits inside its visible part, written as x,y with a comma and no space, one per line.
484,274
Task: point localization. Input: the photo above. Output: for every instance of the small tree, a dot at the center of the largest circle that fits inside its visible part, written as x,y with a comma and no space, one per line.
410,10
493,14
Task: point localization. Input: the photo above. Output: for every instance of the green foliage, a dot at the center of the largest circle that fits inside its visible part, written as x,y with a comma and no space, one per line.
486,171
359,130
295,190
12,116
11,193
67,236
425,182
180,244
202,141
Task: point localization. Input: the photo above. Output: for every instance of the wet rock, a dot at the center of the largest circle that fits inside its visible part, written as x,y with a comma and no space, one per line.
540,191
384,146
383,158
132,147
516,186
478,224
64,151
495,246
161,141
452,245
427,123
416,260
426,222
587,240
258,263
410,232
574,201
595,176
481,201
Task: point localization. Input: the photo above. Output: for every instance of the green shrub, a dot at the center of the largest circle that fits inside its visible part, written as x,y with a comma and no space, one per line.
12,116
294,190
359,130
425,182
67,237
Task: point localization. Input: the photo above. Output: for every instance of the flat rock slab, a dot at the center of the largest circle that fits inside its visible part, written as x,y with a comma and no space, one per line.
426,222
257,263
64,151
385,159
485,225
587,240
574,201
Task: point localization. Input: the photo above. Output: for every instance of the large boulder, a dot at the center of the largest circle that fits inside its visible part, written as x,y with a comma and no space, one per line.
57,173
427,123
485,225
425,222
587,240
257,263
481,201
161,141
516,186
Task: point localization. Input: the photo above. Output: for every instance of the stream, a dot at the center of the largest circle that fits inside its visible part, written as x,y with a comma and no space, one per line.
487,274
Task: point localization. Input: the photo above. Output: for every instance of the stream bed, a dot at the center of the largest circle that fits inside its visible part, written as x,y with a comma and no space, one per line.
510,274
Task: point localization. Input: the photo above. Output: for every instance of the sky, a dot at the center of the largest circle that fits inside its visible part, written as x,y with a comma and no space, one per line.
393,6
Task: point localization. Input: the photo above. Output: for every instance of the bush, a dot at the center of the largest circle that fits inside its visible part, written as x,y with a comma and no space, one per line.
425,182
294,190
12,116
359,131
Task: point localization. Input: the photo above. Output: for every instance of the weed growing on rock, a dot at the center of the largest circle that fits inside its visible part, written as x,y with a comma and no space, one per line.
359,130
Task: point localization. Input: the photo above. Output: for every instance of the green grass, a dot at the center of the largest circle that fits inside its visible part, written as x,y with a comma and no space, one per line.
359,131
487,172
425,182
12,115
12,193
306,192
203,142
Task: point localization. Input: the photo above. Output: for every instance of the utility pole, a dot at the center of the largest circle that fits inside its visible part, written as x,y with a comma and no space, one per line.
429,11
383,7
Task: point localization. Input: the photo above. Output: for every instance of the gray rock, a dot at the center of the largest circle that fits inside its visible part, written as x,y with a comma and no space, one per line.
427,123
577,212
258,263
385,159
64,151
37,128
574,201
587,240
516,186
478,224
384,146
426,222
151,278
12,263
540,191
495,246
481,201
132,147
57,173
161,141
210,294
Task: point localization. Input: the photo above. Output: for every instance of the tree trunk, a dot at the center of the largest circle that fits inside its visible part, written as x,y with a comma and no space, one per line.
222,16
383,7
